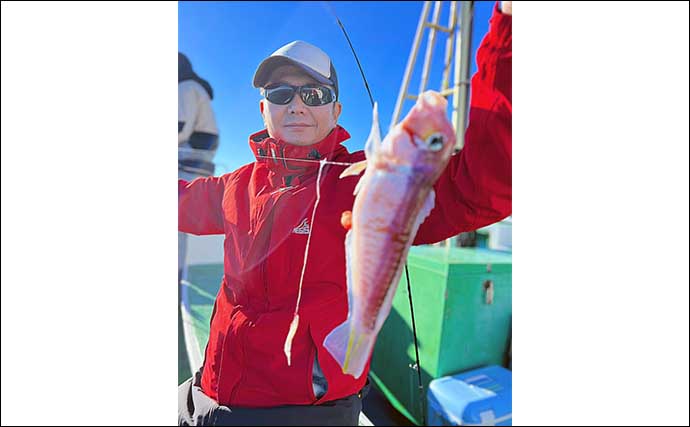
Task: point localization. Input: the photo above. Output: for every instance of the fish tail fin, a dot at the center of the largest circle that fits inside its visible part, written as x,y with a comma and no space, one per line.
350,347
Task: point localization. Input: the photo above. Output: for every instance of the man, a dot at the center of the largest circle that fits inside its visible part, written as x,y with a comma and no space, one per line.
264,210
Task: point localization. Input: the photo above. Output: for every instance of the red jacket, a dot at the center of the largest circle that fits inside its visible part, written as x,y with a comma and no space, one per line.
264,211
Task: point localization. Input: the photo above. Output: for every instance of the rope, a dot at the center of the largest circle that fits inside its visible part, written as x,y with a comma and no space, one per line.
295,320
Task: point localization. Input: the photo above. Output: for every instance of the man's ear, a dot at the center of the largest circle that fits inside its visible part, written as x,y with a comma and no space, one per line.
262,108
337,109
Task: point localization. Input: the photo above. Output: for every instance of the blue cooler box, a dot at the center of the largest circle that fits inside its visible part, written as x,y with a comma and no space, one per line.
479,397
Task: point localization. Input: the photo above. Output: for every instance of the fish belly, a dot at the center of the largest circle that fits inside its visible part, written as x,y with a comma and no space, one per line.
385,217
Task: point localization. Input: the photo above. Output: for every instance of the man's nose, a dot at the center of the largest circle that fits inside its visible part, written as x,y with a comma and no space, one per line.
296,105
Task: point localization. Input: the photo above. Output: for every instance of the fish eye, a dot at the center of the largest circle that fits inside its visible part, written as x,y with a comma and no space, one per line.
435,142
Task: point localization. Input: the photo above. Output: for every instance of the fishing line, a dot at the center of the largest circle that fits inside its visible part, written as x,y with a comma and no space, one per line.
328,162
342,27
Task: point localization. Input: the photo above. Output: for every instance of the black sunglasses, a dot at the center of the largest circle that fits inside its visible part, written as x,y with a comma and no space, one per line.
312,95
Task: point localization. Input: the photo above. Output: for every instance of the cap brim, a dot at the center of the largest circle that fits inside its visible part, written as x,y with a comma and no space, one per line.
263,72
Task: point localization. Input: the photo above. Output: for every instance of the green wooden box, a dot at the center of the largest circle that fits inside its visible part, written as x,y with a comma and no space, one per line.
462,304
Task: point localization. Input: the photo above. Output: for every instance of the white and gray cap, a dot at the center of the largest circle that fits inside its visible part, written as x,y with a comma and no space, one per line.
306,56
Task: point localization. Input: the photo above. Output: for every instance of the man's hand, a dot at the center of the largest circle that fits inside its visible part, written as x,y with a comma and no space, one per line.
507,7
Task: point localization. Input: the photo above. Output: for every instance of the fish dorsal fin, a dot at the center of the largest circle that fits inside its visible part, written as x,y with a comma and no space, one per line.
373,143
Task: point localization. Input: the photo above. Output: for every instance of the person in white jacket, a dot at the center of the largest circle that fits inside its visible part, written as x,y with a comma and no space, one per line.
197,134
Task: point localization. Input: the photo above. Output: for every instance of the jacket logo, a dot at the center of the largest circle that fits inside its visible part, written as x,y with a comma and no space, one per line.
303,228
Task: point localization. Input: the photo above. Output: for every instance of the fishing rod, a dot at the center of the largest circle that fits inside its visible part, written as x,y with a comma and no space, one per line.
417,366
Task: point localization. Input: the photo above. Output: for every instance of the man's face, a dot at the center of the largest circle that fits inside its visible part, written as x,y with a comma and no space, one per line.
297,123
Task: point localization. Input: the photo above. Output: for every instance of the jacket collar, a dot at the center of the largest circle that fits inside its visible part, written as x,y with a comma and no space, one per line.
284,159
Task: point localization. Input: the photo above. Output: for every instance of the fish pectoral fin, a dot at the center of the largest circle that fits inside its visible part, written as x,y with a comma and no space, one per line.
426,208
354,169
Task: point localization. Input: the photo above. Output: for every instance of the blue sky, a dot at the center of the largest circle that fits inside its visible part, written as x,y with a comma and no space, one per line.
226,41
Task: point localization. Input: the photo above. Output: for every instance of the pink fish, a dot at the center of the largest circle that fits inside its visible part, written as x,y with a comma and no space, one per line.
393,198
